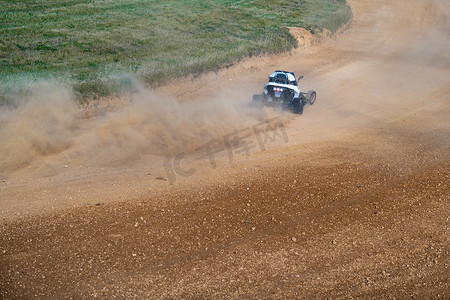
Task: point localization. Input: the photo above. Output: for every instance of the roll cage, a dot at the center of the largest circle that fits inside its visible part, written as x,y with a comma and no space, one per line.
283,77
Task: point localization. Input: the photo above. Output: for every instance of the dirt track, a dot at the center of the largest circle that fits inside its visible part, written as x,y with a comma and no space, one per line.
353,201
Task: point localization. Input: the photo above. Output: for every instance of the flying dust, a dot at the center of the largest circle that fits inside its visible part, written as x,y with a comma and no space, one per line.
46,127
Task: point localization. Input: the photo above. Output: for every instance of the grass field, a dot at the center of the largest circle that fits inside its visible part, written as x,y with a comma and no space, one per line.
96,46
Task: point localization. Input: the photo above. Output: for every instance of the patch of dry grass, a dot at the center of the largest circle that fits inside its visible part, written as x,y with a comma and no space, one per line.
96,46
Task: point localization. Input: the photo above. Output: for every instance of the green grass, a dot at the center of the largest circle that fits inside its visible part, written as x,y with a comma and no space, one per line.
92,45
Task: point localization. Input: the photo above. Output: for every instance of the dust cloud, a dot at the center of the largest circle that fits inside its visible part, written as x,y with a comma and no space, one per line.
43,124
47,127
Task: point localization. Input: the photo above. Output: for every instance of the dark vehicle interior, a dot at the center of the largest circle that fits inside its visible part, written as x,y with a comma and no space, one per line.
282,78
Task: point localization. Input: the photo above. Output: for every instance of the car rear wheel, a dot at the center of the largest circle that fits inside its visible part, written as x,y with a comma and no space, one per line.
298,106
258,100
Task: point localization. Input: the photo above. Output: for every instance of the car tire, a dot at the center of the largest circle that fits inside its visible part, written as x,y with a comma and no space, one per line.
258,100
297,106
311,97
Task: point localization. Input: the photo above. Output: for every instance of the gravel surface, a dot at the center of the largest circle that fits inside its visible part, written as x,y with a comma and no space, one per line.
353,203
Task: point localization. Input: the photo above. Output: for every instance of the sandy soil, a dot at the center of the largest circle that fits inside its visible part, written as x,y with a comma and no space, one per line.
351,199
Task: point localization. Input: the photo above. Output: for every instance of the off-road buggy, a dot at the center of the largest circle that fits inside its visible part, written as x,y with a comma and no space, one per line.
282,90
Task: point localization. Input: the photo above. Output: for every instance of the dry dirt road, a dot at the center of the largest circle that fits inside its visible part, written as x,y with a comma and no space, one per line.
349,200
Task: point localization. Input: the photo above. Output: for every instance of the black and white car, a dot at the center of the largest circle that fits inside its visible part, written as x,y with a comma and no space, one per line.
282,90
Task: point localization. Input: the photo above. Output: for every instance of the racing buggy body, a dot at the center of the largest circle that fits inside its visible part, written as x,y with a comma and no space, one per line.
282,90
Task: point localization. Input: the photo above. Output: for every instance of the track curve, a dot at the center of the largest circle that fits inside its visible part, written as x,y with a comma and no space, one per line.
349,200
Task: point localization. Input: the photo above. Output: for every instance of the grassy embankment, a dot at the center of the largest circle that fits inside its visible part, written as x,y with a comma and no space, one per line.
96,46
